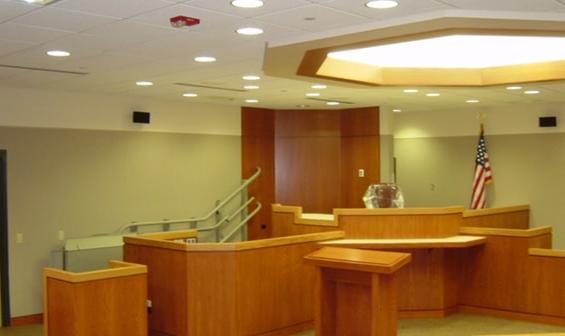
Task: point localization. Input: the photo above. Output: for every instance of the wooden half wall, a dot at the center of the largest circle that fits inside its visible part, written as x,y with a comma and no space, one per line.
310,157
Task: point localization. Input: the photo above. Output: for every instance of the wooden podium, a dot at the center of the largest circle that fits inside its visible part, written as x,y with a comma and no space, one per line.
356,291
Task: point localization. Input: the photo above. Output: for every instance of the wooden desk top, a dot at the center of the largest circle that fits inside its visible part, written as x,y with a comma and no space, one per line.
412,243
116,269
358,260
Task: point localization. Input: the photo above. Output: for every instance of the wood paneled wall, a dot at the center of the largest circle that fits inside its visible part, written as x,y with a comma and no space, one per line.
258,150
316,155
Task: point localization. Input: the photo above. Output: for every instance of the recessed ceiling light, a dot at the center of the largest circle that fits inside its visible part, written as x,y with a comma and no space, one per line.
513,88
410,91
332,103
251,87
397,110
433,94
319,86
302,106
472,101
252,101
382,4
58,53
312,94
249,31
190,94
39,2
531,92
459,51
143,83
251,77
205,59
247,3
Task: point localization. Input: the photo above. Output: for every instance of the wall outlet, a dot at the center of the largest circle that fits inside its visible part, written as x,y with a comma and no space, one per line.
361,172
19,238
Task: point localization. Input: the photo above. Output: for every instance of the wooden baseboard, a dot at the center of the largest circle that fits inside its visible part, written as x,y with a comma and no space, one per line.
26,320
546,319
293,329
439,313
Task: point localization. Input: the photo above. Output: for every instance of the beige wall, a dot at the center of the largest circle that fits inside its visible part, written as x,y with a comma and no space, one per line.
435,168
90,170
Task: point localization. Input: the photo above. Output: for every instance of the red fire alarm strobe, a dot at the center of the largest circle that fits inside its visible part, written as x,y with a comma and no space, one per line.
181,21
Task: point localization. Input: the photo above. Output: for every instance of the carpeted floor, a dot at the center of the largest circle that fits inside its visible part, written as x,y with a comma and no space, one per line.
455,325
468,325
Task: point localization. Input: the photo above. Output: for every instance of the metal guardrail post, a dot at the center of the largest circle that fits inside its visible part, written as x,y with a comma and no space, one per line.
193,224
244,213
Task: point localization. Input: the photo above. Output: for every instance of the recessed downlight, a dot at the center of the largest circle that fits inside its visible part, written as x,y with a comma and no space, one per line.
472,101
144,83
251,77
249,31
433,94
410,91
319,86
190,94
251,101
513,88
396,110
531,92
58,53
251,87
332,103
312,94
382,4
247,3
205,59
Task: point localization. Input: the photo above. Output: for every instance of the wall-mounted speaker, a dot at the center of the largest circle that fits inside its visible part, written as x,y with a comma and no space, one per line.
547,121
141,117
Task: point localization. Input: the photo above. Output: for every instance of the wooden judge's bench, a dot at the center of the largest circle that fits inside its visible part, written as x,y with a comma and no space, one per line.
481,261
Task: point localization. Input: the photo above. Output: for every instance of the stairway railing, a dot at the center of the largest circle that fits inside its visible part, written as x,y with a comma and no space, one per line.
221,221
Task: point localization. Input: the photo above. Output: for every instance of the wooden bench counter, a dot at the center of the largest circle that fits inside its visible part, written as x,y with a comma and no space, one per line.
259,287
414,243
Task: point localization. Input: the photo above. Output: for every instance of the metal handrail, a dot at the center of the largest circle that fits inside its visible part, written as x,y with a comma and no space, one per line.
201,219
228,218
243,222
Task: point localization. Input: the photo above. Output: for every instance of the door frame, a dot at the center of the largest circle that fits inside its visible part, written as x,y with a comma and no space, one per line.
4,269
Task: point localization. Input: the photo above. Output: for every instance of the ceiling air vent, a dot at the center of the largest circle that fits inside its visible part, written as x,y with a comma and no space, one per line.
18,67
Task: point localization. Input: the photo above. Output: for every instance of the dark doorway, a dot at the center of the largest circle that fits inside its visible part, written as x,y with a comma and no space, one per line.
4,284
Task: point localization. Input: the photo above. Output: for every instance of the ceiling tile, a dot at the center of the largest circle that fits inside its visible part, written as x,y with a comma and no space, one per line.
61,19
130,32
115,8
514,5
406,7
28,34
322,18
12,9
269,7
8,47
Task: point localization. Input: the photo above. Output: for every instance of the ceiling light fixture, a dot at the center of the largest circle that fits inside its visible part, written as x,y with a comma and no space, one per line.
433,94
247,3
410,91
251,87
332,103
397,110
39,2
58,53
205,59
251,77
459,51
190,94
472,101
249,31
319,86
381,4
312,94
511,88
251,101
143,83
531,92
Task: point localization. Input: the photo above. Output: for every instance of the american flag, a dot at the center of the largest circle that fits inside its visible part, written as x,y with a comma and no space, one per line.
483,174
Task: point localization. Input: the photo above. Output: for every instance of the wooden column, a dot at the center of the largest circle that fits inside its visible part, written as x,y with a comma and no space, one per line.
356,291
